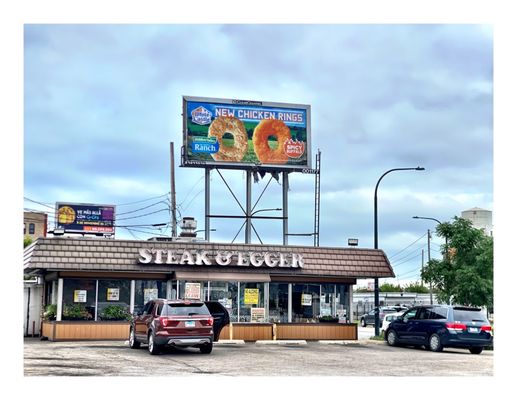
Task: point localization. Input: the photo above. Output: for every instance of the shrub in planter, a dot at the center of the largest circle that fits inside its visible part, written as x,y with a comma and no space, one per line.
50,312
75,312
115,313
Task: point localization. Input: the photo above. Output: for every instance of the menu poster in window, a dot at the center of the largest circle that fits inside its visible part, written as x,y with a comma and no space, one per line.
79,296
251,296
192,291
258,314
150,294
306,299
113,294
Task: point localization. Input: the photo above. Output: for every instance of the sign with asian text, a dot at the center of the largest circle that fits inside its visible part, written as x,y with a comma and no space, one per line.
85,218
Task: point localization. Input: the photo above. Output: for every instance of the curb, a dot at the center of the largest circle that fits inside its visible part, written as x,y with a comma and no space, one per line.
229,343
282,342
342,342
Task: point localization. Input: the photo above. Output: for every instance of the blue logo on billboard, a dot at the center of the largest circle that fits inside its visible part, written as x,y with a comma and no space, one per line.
208,145
201,116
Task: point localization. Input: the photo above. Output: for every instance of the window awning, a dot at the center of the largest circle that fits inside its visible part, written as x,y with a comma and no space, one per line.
220,276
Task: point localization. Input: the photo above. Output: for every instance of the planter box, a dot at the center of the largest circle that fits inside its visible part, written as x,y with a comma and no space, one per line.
286,331
320,331
85,330
247,331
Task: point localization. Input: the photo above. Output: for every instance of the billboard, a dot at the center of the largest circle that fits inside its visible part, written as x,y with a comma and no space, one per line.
85,218
244,134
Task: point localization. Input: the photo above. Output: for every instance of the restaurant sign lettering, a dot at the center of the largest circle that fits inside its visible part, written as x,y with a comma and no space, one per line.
221,258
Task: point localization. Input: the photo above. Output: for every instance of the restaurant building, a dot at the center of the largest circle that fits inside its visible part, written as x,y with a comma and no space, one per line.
92,285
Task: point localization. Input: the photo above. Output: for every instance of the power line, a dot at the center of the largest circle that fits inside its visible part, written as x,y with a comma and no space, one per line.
143,215
139,209
403,262
407,255
132,234
408,272
191,189
37,202
142,201
194,198
425,234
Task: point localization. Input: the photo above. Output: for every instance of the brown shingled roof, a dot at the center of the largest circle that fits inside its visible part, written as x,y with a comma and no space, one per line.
85,254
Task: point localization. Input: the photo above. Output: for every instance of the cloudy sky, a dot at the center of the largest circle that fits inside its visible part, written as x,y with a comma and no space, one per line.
103,102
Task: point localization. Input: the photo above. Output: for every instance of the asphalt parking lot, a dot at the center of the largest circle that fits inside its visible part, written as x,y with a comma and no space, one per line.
362,358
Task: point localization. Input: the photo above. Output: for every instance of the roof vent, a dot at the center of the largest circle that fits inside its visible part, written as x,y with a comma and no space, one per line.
188,227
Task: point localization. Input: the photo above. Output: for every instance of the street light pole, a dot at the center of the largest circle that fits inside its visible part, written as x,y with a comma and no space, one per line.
446,239
376,239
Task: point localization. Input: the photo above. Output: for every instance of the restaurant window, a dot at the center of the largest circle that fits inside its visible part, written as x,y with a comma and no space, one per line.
328,300
342,293
278,302
146,290
79,299
113,299
306,303
193,290
251,302
225,293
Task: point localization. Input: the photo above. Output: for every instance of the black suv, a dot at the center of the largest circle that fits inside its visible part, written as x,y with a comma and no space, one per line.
178,323
439,326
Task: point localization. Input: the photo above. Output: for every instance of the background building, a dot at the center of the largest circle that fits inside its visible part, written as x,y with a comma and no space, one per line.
480,218
34,224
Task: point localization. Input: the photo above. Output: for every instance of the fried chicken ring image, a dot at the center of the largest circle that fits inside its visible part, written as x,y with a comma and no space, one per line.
235,127
265,129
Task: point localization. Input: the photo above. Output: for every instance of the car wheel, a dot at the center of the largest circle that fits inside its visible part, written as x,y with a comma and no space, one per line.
476,350
206,348
153,347
435,344
392,338
133,343
363,323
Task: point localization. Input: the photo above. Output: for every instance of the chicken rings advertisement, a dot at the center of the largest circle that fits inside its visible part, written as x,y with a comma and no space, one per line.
85,218
245,134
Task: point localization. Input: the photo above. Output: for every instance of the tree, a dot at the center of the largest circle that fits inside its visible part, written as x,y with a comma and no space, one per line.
465,275
415,287
388,287
27,240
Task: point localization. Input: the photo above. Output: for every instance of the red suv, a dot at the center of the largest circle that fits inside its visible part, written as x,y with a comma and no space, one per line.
178,323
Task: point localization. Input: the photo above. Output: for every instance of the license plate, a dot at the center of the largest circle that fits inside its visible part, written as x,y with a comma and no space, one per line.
190,324
473,330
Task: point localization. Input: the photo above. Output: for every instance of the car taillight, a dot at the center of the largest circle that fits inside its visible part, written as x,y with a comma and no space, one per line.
164,321
486,328
208,321
455,327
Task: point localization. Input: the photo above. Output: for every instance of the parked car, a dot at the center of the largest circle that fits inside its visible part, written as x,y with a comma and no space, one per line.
369,318
388,318
439,326
178,323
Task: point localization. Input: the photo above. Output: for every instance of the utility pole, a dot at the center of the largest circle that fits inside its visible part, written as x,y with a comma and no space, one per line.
422,280
429,262
174,230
